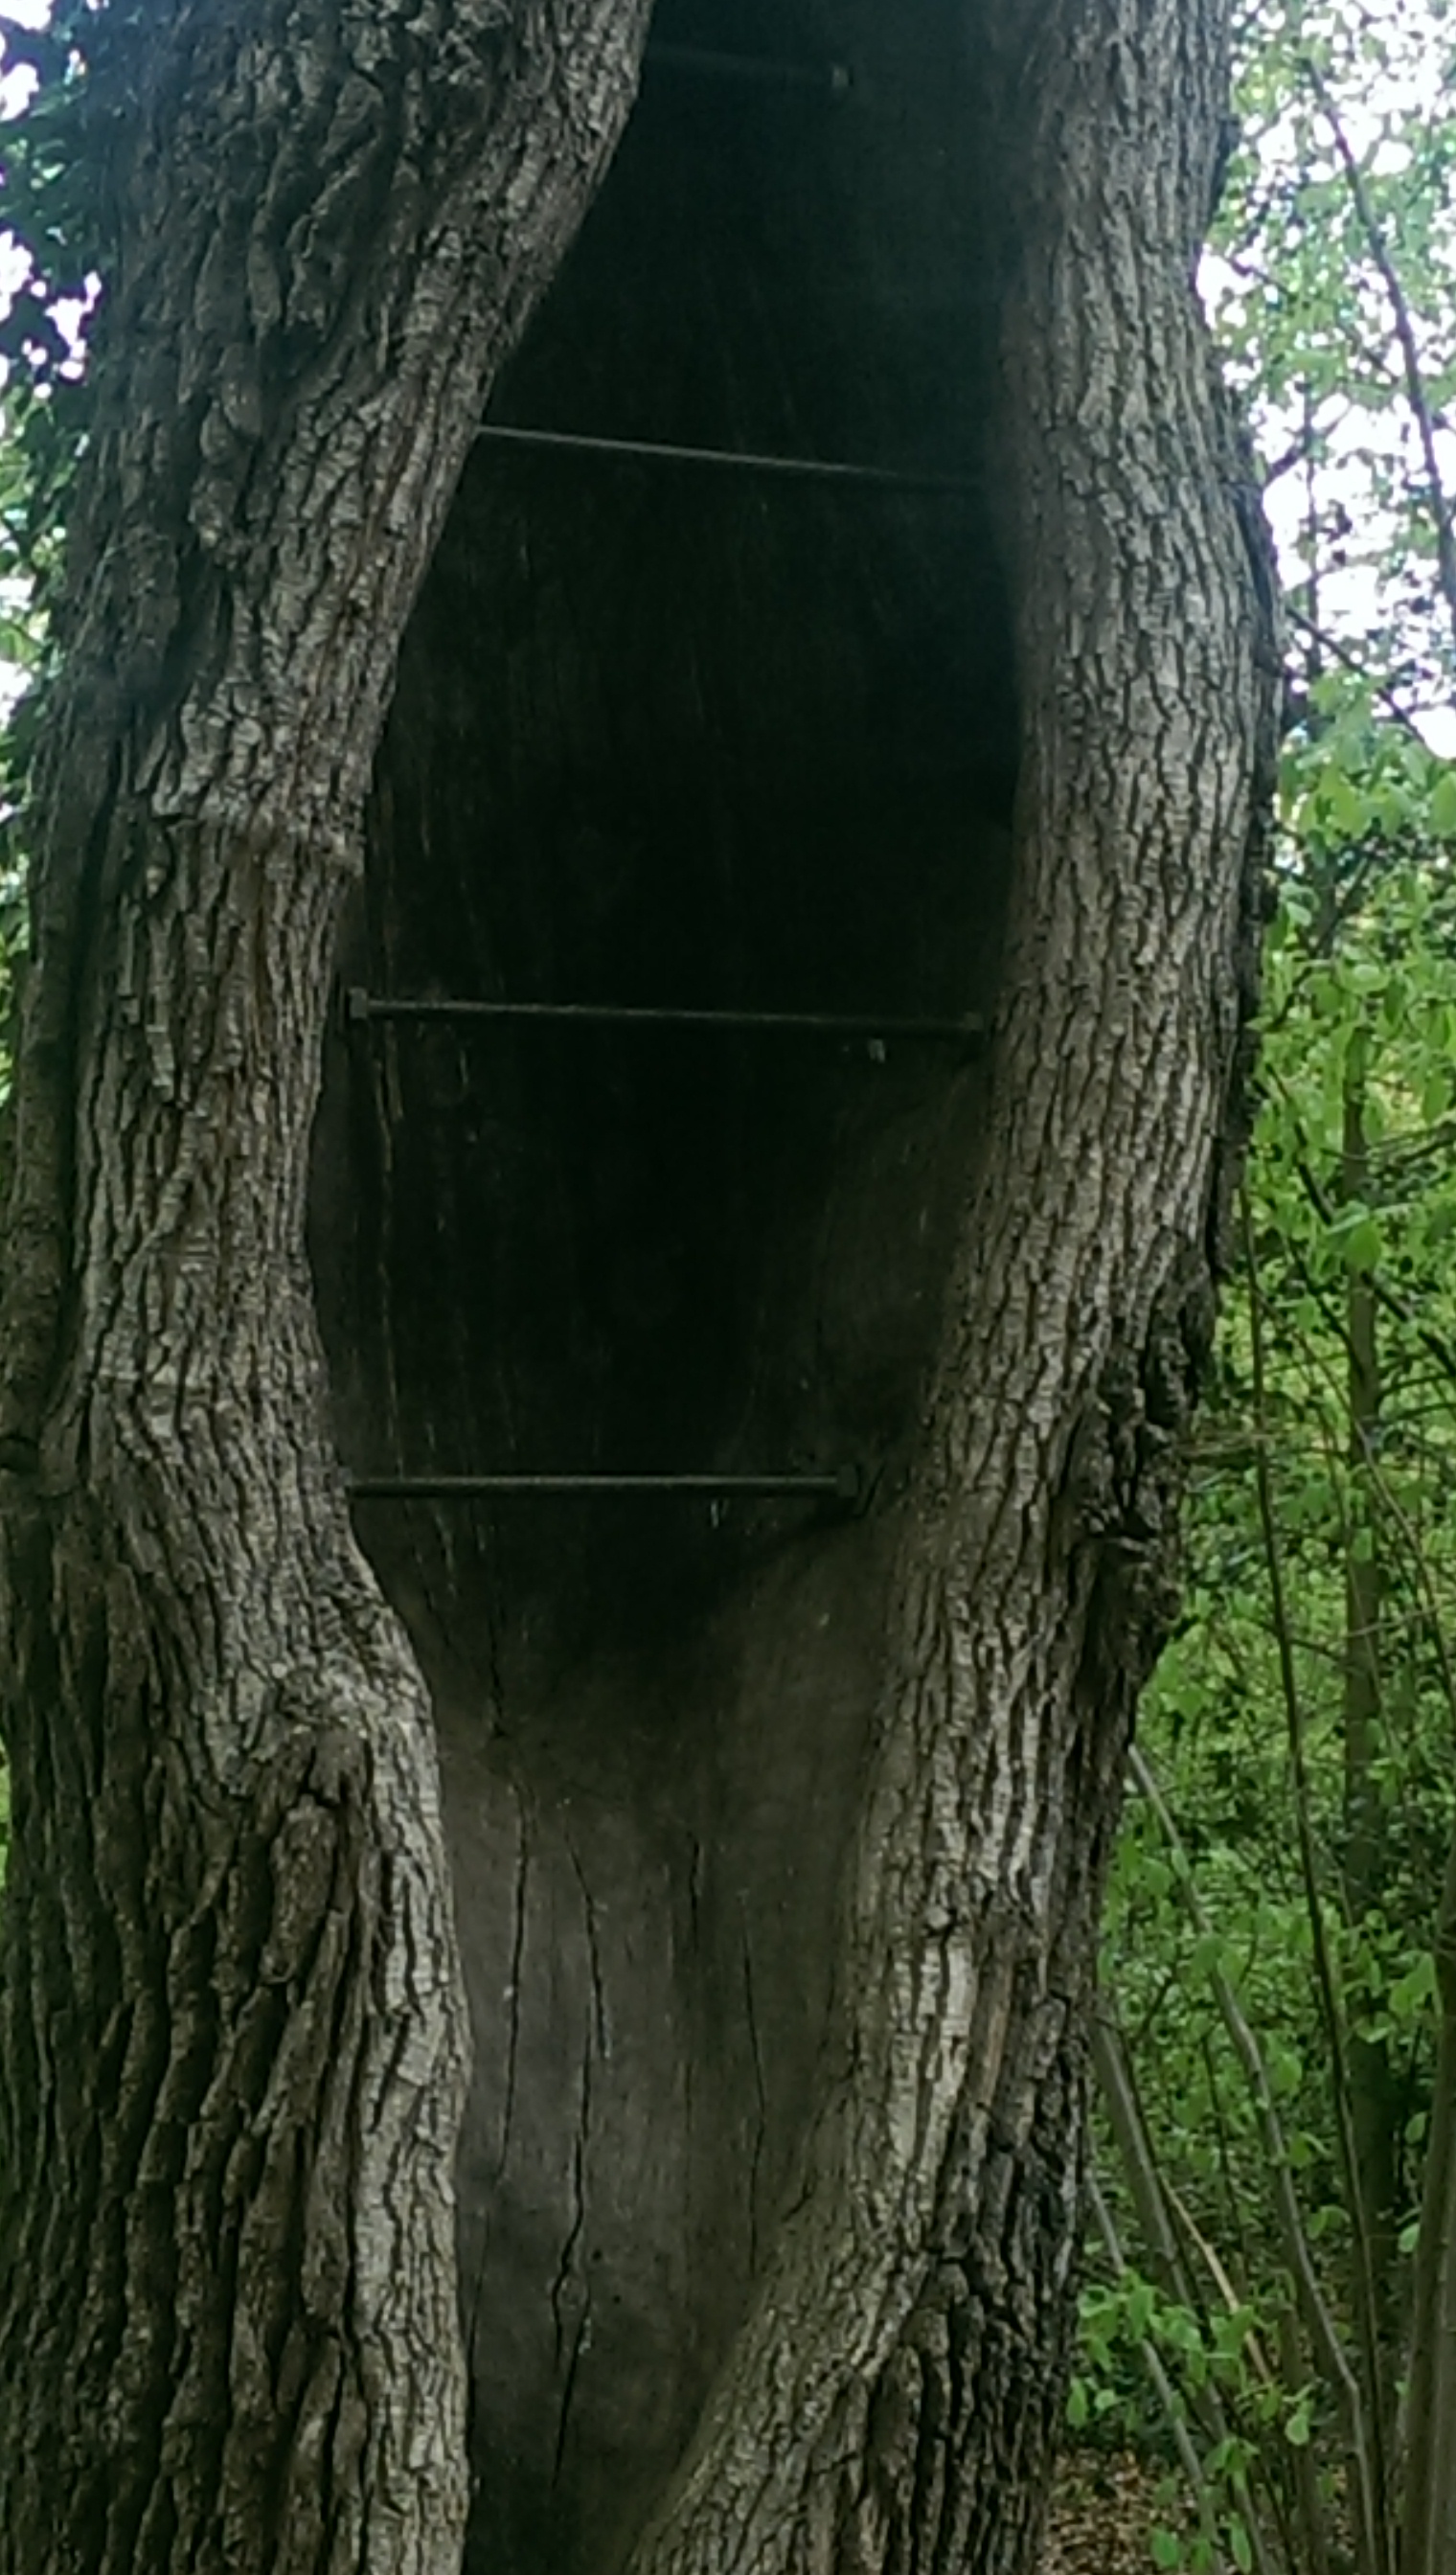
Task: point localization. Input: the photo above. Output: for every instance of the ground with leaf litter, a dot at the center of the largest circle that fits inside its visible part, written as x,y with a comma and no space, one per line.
1102,2514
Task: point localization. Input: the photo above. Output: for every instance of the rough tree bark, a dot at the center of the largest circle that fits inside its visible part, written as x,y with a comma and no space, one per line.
891,2396
232,2043
776,1848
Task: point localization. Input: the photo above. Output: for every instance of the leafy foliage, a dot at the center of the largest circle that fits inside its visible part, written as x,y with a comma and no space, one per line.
1378,1008
1268,1949
54,200
55,172
1306,318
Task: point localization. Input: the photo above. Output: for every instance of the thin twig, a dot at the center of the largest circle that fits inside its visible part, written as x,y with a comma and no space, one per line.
1188,2459
1278,466
1415,386
1393,1298
1378,688
1329,2352
1217,2271
1370,2460
1389,1499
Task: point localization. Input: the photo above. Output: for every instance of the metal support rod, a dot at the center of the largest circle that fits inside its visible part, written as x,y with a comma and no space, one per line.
841,1484
727,460
764,70
361,1009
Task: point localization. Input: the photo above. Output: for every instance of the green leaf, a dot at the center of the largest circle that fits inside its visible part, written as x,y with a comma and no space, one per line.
1140,2300
1346,805
1411,1994
1286,2069
1443,805
1361,1244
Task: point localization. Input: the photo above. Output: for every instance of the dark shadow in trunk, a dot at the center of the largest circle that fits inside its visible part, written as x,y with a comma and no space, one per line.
664,735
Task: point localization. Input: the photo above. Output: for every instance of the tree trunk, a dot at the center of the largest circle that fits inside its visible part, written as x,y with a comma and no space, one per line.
894,2391
780,1839
778,1836
234,2048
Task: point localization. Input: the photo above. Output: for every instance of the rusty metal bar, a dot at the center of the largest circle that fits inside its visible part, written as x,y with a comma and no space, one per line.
361,1009
764,70
838,1484
729,460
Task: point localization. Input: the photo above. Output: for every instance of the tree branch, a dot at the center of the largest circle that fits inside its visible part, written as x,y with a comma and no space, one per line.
1324,2334
1405,334
1370,2456
1378,688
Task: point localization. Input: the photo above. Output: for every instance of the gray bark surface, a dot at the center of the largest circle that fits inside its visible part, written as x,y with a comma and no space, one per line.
233,2049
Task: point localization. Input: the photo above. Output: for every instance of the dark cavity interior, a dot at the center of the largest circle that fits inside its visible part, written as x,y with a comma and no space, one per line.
672,735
